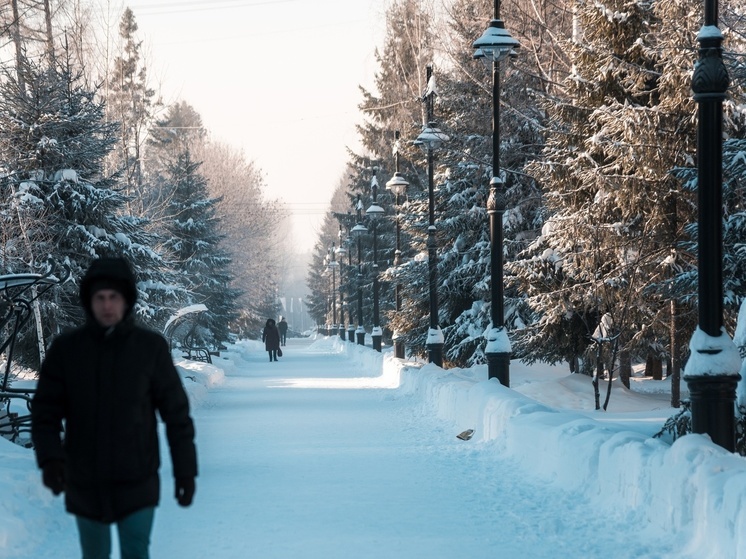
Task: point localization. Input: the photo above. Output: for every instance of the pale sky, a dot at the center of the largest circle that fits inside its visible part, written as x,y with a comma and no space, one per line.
276,78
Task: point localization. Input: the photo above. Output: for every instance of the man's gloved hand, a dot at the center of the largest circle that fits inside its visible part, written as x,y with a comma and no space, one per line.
185,488
53,476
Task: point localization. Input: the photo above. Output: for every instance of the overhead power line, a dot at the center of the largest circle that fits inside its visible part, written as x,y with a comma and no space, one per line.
201,5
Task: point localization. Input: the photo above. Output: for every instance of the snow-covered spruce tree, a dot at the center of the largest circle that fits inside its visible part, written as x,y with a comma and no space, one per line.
734,171
464,263
194,243
615,211
676,279
178,130
56,198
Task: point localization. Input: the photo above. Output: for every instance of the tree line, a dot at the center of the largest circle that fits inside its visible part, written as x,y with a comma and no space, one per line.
93,163
598,149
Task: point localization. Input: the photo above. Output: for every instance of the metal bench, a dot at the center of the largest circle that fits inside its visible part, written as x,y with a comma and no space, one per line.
182,332
17,295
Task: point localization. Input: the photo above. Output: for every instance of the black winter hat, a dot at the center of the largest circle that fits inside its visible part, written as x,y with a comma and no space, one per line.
108,273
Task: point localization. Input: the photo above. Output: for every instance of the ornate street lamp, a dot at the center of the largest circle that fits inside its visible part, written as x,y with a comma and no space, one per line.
374,212
430,139
357,232
341,252
332,265
494,45
712,369
398,185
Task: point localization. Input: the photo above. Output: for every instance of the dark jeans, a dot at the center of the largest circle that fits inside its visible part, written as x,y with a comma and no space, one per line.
134,536
272,354
283,338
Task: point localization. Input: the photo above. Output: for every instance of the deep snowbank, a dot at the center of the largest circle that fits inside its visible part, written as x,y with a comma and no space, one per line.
693,487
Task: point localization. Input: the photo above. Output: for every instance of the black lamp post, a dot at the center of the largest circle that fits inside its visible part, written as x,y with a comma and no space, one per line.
324,328
429,140
374,212
341,252
712,369
494,45
398,185
350,306
358,231
332,264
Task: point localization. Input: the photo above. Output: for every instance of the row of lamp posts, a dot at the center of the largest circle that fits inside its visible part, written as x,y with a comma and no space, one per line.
374,212
712,389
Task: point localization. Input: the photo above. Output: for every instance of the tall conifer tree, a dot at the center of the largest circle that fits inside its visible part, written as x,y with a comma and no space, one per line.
131,103
617,215
194,241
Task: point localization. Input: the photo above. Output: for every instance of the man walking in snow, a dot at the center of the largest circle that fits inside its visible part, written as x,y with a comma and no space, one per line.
282,326
105,381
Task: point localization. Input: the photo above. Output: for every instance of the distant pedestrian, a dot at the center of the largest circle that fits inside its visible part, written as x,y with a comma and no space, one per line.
283,327
271,338
93,417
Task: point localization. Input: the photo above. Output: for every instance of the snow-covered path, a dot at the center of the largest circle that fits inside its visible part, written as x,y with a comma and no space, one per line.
338,452
299,459
323,455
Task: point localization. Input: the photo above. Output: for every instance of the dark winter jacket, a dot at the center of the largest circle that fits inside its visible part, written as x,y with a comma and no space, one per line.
271,337
282,326
107,387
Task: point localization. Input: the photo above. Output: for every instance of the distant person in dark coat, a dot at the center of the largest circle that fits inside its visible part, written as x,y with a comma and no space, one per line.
271,338
105,381
282,326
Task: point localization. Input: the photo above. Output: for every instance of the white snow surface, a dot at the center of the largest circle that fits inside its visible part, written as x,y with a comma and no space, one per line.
337,451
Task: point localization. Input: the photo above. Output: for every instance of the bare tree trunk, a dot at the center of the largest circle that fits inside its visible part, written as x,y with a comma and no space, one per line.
574,364
625,367
675,357
16,33
614,351
50,36
657,368
34,293
597,377
39,326
675,339
654,366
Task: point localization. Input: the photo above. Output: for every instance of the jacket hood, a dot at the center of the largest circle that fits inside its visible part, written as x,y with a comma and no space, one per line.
113,273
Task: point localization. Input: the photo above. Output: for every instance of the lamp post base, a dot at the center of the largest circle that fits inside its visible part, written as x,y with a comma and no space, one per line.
399,350
360,338
713,398
435,354
498,366
342,332
377,336
351,335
